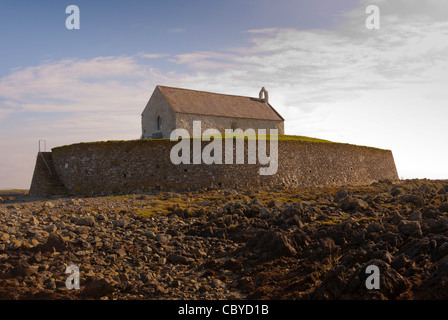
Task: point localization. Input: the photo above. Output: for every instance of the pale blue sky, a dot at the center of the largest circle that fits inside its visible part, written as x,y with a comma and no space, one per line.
326,73
33,32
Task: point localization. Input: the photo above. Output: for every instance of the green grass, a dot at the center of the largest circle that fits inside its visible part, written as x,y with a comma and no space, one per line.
119,197
280,137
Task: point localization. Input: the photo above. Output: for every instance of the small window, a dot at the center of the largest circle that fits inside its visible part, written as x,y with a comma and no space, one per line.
159,124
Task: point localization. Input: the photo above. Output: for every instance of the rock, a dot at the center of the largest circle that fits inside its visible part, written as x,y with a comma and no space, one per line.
341,194
397,191
163,238
101,217
179,259
97,289
430,212
351,204
198,253
443,207
396,218
49,205
413,199
271,244
15,244
22,269
207,232
375,227
218,283
34,221
332,285
383,255
146,277
120,223
4,236
418,247
51,285
54,242
443,190
35,258
111,258
438,226
400,262
176,284
295,220
383,198
236,246
442,251
86,221
392,283
147,249
121,252
149,234
415,216
178,212
436,284
274,204
410,228
51,228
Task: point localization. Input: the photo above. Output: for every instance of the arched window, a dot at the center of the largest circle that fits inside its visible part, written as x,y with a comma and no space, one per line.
159,124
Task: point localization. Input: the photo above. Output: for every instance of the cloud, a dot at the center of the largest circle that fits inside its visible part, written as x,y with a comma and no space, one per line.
4,113
74,85
263,31
153,55
205,60
414,10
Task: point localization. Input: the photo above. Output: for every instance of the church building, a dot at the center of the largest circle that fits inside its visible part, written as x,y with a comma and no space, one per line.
175,108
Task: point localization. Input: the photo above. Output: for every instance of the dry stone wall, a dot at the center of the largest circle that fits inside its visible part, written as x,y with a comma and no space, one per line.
144,165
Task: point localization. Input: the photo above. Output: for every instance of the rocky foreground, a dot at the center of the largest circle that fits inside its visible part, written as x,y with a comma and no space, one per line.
312,243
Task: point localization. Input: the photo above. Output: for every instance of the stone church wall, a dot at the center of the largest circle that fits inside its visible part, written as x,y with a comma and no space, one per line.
185,121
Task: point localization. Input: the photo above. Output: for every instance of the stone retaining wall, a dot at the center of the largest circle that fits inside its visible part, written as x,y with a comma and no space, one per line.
144,165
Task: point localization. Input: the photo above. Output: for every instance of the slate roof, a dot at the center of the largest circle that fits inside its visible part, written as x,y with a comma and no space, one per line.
216,104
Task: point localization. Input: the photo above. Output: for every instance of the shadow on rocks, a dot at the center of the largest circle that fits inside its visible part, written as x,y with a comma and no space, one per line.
340,283
54,242
270,244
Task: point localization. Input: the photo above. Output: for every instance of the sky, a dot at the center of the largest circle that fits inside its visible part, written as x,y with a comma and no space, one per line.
327,74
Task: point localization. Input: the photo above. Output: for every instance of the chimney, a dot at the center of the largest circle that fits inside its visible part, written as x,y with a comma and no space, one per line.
266,95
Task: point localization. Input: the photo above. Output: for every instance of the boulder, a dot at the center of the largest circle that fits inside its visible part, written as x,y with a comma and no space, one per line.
410,228
54,242
392,284
351,204
97,289
271,244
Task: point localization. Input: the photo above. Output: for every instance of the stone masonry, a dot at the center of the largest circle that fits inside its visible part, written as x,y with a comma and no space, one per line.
144,165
